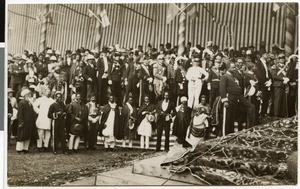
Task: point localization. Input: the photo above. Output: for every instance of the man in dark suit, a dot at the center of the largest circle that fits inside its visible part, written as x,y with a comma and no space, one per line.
102,75
165,111
115,77
130,77
264,81
230,92
89,74
239,75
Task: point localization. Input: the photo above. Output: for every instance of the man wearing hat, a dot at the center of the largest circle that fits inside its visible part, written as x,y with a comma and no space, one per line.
208,49
182,121
17,74
57,112
52,64
280,84
43,123
26,122
102,75
90,75
41,66
196,76
73,70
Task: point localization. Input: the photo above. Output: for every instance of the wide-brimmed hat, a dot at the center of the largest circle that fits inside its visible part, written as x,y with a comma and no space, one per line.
76,128
25,92
53,58
9,90
90,57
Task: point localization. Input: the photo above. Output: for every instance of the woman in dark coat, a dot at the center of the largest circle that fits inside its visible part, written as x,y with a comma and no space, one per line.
26,122
182,121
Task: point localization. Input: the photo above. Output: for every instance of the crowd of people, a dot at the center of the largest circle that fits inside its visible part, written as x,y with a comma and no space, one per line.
130,94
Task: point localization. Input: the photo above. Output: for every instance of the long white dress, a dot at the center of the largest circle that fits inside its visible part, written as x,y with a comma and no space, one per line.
41,107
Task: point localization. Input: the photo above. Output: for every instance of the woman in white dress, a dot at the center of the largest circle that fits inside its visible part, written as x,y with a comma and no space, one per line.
145,130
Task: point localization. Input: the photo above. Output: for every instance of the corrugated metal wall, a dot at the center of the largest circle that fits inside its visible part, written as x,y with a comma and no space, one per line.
239,24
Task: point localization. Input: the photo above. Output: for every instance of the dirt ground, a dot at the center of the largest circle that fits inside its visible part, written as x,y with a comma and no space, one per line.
46,169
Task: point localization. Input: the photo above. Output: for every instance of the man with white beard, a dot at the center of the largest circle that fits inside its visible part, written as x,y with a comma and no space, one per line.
195,75
43,123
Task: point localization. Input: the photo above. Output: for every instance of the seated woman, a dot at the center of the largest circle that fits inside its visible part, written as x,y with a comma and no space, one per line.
198,126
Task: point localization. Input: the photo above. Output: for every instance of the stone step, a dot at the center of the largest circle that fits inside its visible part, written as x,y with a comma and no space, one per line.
202,175
124,177
136,143
151,167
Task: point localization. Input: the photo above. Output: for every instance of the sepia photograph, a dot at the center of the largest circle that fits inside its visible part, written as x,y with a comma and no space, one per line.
152,94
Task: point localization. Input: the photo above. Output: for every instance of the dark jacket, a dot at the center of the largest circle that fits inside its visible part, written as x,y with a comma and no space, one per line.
118,132
228,85
162,114
26,120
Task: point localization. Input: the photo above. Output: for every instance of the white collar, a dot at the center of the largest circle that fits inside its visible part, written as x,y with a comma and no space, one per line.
112,105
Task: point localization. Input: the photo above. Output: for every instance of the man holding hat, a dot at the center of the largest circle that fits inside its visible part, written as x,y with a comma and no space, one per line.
78,116
57,112
26,122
